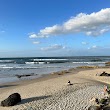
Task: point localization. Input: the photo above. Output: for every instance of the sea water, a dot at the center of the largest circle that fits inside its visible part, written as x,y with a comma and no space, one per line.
10,67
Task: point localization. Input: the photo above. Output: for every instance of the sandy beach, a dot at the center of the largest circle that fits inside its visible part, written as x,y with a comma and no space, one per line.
52,92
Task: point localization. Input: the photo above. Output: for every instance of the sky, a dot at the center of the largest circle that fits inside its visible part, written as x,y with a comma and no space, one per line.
44,28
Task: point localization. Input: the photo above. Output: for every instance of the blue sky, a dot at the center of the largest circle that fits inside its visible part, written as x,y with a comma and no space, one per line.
33,28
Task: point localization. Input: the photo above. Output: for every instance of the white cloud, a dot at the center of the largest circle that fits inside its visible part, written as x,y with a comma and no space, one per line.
93,47
93,24
53,47
84,43
36,42
33,36
98,32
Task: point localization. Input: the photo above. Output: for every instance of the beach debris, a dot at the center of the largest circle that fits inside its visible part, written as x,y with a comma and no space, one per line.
25,75
18,76
92,99
71,69
12,100
61,72
106,90
107,64
69,82
104,74
94,108
87,67
102,104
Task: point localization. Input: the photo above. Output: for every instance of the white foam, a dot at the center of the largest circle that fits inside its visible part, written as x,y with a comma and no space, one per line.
89,62
41,62
29,62
50,59
2,65
6,61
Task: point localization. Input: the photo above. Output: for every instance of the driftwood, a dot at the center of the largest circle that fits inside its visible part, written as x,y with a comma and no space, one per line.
24,75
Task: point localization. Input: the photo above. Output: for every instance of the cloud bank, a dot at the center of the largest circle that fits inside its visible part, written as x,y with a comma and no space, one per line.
53,47
36,42
94,24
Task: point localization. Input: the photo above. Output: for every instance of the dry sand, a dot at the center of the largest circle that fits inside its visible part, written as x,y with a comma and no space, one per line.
53,92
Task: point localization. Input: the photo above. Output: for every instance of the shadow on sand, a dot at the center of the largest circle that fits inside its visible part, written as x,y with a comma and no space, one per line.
27,100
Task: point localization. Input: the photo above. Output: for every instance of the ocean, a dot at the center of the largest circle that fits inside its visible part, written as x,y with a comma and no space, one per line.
10,67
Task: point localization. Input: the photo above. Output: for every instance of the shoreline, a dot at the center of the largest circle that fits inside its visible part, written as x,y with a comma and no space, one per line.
43,77
62,72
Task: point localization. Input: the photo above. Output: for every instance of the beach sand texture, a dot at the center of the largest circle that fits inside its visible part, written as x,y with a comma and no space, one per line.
56,94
